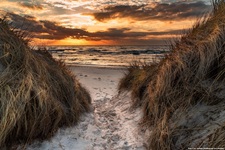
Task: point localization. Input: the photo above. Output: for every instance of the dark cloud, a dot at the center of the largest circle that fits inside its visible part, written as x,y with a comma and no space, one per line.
58,32
160,11
31,5
116,34
26,23
126,34
44,29
169,32
50,30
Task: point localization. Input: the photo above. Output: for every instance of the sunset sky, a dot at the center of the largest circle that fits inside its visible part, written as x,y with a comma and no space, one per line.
104,22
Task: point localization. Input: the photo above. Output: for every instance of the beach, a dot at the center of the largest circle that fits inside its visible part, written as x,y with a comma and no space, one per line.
115,75
111,124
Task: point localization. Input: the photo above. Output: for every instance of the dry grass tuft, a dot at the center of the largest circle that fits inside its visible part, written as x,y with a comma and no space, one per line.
37,94
185,96
136,80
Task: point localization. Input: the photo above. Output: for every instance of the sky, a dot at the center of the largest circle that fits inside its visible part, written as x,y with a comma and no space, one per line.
104,22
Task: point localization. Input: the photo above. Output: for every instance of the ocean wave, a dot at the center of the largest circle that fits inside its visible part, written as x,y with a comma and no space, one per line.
108,55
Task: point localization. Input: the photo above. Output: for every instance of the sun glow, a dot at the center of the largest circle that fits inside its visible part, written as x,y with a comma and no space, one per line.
70,41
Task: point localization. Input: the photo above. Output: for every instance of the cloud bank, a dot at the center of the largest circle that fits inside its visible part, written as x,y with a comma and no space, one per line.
120,21
44,29
156,11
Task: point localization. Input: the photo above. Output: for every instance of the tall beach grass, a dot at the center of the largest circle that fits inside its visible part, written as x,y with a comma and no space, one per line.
37,93
183,99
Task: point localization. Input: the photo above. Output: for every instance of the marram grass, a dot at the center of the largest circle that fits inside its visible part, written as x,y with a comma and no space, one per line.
37,94
184,100
136,80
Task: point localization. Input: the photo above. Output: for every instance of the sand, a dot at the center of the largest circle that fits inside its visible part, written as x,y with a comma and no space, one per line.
111,125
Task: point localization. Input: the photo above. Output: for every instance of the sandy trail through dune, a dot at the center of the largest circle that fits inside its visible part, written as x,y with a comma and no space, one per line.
112,125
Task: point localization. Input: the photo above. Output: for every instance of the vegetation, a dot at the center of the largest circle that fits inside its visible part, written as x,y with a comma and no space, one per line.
184,94
136,80
37,93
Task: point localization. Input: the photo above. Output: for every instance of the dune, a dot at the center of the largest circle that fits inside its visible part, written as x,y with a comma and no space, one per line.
38,94
182,96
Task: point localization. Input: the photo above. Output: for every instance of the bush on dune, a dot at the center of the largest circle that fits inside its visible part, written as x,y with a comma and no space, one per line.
37,94
185,96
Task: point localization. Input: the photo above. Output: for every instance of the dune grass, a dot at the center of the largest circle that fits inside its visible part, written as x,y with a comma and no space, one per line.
182,85
37,93
136,80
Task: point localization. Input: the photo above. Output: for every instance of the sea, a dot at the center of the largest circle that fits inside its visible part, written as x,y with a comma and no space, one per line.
108,56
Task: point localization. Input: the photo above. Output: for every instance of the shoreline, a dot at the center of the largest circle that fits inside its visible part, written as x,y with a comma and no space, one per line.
98,67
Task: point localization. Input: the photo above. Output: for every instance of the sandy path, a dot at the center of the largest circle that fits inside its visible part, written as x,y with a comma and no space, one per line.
111,125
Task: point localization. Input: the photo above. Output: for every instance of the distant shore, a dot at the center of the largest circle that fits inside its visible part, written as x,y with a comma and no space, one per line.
98,67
